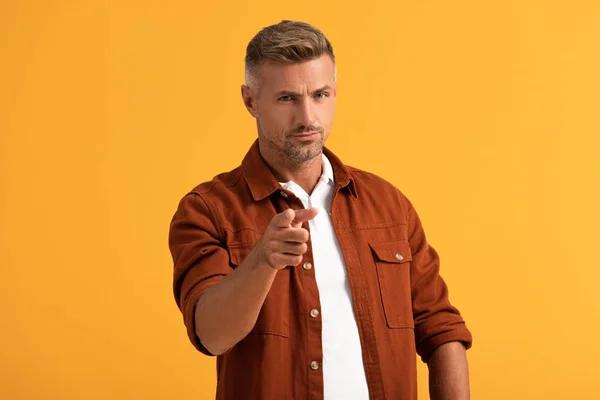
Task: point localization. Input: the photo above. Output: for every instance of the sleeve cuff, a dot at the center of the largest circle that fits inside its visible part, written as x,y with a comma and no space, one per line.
189,318
456,333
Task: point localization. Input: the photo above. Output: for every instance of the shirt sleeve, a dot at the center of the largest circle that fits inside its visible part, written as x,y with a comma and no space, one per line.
200,259
436,320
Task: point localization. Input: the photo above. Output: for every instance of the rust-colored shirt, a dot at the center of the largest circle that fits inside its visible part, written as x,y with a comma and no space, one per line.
400,300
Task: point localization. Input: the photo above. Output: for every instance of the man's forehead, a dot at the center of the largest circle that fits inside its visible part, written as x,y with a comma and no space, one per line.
316,72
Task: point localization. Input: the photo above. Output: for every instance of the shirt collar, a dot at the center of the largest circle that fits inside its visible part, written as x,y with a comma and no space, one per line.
262,183
327,169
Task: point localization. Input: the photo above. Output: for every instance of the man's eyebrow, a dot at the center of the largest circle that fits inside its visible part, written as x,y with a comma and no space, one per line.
291,93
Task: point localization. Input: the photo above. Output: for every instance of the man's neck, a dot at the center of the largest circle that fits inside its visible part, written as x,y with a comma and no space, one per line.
305,175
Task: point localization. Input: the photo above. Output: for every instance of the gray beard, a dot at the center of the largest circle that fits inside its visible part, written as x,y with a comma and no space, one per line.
301,154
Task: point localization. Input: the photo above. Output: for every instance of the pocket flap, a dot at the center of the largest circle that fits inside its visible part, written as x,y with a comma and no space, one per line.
392,252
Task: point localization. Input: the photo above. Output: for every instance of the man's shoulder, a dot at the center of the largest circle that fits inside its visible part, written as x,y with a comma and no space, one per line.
223,192
219,184
370,181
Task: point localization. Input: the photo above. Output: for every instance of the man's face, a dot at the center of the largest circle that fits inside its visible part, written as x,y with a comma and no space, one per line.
294,106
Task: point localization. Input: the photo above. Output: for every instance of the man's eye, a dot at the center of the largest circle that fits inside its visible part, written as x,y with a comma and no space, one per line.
322,95
285,98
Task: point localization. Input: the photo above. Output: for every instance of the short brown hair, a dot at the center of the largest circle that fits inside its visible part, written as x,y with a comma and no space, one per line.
285,42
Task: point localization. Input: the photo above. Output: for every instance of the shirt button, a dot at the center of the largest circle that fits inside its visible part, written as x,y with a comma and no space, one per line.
307,266
314,365
399,257
284,194
314,313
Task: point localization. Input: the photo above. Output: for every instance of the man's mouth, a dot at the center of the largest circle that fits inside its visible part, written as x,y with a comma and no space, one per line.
306,134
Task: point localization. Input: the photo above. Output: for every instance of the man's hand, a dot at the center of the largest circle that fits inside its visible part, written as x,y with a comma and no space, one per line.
284,241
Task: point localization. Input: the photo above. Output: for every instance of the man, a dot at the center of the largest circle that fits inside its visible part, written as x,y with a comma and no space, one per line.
310,279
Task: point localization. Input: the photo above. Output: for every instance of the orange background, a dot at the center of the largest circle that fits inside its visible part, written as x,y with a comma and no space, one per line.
485,114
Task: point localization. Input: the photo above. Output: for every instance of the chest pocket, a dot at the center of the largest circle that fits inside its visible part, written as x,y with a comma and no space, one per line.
274,316
392,260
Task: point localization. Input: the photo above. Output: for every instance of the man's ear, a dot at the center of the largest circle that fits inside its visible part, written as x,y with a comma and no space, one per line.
249,98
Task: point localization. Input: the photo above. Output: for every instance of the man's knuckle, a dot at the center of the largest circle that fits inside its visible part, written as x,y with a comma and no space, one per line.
305,235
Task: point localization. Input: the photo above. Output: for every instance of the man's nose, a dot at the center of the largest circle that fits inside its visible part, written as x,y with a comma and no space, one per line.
306,113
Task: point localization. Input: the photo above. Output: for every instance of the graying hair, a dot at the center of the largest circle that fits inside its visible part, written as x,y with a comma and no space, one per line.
285,42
